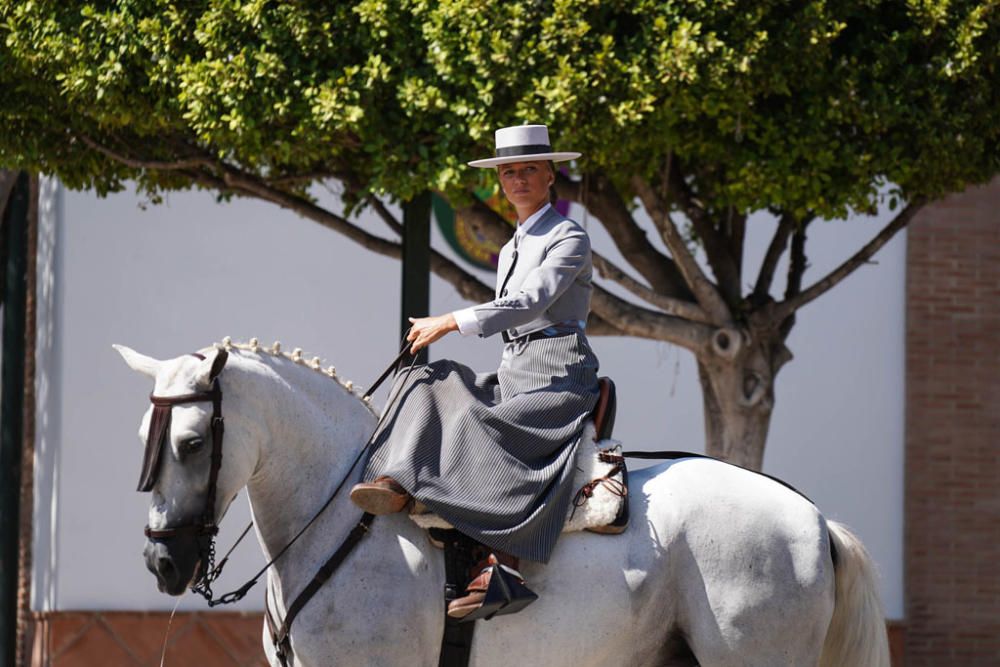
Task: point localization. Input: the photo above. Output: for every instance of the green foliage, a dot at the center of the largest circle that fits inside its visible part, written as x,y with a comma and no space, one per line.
806,106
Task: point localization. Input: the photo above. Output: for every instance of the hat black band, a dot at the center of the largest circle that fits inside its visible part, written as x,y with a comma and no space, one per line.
528,149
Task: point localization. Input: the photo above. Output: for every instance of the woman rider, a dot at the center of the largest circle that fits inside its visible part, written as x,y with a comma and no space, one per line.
493,454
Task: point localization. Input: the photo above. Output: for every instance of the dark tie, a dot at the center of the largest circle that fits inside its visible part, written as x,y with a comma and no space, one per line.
510,271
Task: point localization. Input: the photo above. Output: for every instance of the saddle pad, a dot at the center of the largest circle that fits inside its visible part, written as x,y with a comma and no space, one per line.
599,509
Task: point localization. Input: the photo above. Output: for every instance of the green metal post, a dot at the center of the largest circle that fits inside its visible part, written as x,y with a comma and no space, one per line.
416,262
15,226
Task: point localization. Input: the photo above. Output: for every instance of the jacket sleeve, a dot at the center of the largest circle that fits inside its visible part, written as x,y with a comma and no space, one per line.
542,285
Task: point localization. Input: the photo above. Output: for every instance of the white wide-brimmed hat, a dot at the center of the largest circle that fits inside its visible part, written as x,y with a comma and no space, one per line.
522,143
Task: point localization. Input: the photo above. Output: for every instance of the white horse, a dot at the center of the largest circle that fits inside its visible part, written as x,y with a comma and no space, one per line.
719,566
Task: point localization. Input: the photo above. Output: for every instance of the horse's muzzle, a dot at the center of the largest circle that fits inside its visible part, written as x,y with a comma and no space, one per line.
175,562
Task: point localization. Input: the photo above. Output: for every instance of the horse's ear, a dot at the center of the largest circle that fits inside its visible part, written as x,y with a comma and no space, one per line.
211,366
138,362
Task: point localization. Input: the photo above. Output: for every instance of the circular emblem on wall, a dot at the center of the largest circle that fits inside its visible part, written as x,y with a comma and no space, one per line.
463,238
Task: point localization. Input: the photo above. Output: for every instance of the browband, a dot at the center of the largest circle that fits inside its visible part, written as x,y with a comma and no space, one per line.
159,423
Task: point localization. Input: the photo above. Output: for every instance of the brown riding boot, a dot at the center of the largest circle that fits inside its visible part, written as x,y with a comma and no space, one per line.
511,594
382,496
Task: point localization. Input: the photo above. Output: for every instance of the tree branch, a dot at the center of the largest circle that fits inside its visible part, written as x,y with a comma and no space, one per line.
736,228
194,161
786,224
676,307
487,222
468,286
494,227
634,320
215,174
598,194
250,184
704,291
820,287
724,264
797,262
383,212
226,178
598,326
298,179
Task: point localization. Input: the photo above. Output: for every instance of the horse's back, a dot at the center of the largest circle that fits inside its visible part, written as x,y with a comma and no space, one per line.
718,563
701,500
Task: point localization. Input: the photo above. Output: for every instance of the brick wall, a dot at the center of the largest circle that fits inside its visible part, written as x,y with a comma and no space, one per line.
141,639
953,432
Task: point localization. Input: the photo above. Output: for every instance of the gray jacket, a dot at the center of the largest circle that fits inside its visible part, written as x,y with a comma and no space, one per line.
550,282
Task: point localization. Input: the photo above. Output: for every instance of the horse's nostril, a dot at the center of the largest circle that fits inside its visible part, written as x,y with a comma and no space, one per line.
165,566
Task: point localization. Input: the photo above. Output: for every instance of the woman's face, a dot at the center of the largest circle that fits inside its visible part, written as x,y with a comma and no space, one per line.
526,184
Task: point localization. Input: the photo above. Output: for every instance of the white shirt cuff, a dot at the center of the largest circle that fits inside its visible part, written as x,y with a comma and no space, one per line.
468,325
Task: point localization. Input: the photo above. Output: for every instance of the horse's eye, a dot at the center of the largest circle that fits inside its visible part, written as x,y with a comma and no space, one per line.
190,446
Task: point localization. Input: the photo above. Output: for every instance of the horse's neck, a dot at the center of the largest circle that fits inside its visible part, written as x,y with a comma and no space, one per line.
313,432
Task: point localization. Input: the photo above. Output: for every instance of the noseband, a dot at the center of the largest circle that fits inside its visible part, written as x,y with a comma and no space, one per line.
156,441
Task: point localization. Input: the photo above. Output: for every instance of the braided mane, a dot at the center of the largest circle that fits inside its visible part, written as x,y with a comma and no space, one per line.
296,356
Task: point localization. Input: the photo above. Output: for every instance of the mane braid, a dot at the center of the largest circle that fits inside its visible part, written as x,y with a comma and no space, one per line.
296,357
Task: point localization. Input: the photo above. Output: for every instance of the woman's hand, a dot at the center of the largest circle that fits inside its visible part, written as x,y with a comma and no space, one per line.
426,330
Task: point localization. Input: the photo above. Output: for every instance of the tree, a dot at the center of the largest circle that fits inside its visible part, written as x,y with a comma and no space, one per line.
693,115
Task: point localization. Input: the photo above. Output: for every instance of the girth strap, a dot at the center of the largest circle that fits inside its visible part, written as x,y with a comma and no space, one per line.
280,634
461,553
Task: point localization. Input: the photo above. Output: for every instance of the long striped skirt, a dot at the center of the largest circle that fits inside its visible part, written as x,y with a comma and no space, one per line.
493,453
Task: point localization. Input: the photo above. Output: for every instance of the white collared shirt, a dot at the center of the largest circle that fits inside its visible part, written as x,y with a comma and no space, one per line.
523,227
468,325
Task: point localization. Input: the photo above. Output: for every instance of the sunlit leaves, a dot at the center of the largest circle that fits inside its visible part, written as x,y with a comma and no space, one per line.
804,107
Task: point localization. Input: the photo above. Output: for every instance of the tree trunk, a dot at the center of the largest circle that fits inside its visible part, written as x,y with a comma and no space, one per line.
737,372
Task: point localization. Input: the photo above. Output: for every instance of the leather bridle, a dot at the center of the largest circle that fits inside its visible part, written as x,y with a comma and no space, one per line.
204,528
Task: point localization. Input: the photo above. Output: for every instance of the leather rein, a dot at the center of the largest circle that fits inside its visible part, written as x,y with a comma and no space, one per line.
205,528
159,428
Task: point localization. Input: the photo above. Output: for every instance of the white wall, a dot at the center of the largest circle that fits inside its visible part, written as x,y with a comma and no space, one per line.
176,277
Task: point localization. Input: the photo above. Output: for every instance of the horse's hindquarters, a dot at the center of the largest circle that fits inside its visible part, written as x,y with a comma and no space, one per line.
750,564
719,566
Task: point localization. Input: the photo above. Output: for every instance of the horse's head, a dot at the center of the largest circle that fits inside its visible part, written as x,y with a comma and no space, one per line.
182,434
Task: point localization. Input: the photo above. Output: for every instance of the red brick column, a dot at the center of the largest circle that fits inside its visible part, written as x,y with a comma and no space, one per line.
952,505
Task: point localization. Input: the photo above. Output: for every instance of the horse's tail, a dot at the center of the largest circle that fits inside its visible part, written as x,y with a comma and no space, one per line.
857,634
